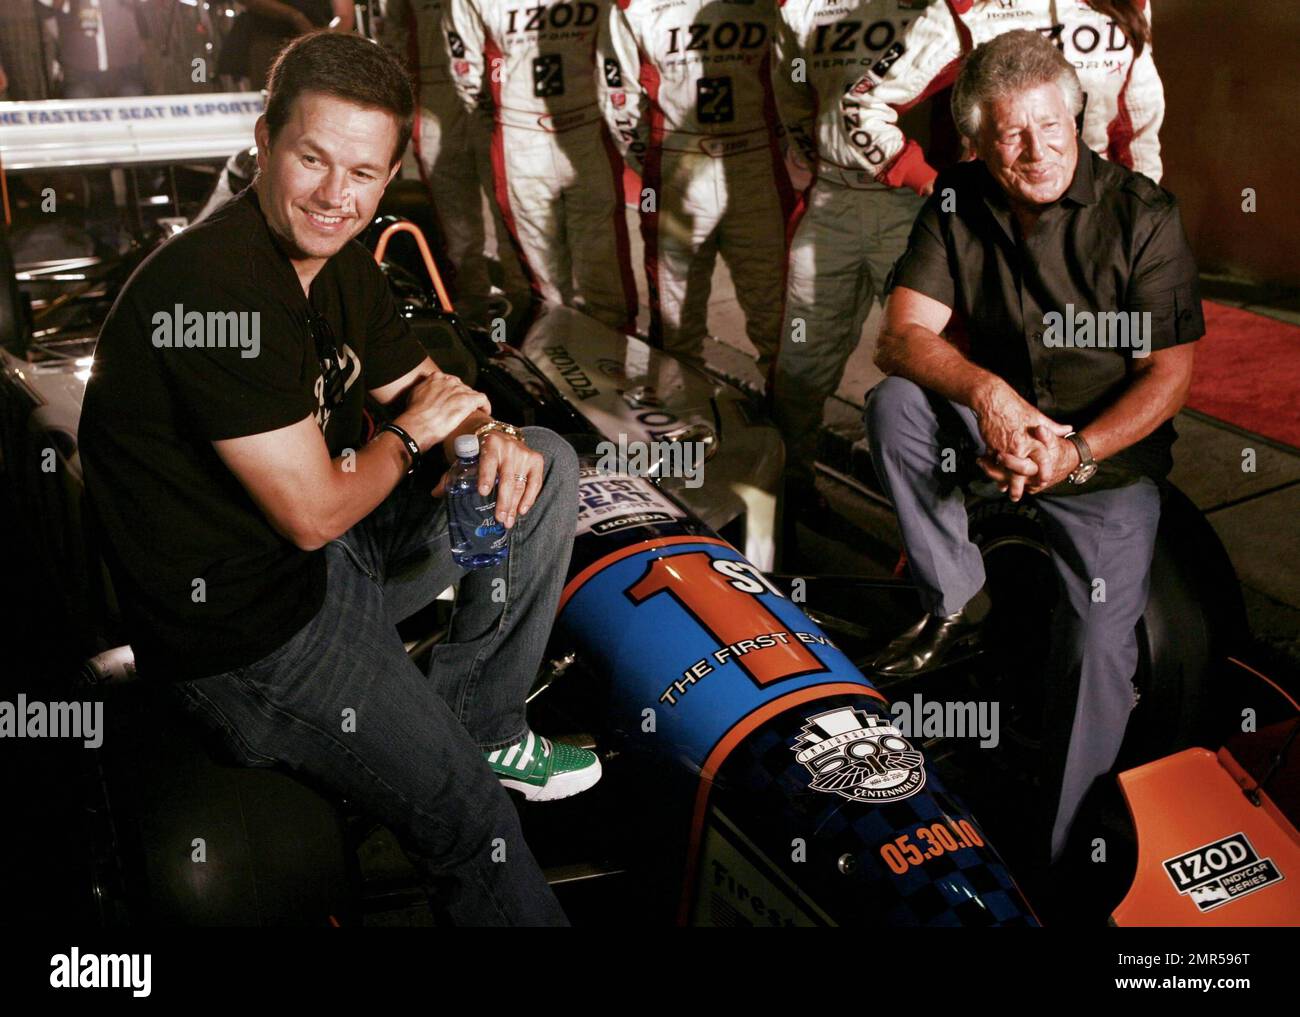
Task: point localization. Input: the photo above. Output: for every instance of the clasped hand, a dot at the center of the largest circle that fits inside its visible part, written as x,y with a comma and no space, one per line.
1026,450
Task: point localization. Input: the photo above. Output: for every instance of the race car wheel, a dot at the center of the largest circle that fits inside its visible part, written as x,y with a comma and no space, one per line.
1022,583
181,836
1194,616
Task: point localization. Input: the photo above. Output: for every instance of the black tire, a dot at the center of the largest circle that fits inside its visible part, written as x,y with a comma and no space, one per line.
1194,617
276,851
1022,583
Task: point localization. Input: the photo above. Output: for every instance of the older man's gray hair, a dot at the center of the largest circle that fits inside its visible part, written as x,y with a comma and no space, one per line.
1005,65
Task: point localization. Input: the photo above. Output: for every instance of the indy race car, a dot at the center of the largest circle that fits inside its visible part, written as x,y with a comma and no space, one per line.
754,773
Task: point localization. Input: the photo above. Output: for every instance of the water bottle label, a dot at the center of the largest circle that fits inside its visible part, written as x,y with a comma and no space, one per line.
477,526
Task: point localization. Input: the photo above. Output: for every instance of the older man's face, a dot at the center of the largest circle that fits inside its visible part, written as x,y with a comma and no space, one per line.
1027,141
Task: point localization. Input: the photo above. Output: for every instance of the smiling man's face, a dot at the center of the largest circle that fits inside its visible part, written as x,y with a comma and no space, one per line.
320,181
1027,141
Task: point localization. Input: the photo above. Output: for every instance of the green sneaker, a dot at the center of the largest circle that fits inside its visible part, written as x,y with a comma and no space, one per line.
544,770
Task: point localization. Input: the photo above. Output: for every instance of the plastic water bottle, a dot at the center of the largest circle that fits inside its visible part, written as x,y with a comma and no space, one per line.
478,540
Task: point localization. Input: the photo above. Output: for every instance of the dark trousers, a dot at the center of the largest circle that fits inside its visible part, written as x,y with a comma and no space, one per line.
1104,535
415,759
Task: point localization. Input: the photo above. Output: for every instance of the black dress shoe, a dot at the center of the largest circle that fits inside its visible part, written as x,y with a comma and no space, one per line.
934,641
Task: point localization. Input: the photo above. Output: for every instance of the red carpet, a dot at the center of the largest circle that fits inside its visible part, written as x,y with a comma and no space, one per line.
1247,373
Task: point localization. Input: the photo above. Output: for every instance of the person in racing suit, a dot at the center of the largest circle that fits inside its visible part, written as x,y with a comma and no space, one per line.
686,88
454,154
1107,41
558,182
851,228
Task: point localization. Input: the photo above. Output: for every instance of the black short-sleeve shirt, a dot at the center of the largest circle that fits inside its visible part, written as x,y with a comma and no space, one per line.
163,388
1110,255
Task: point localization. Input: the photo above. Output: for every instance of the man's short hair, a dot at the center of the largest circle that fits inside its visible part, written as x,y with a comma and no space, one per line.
1008,64
348,67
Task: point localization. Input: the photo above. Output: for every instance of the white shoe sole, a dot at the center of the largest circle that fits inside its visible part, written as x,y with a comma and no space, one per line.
564,785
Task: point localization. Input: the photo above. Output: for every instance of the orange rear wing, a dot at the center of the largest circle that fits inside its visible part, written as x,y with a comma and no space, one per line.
1207,856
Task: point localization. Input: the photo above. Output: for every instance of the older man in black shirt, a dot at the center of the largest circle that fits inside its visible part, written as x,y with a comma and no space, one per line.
1079,294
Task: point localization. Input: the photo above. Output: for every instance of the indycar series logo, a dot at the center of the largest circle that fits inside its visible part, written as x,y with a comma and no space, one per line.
860,756
1216,874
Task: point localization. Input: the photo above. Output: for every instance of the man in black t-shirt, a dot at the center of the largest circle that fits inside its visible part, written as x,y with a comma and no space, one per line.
263,552
1077,287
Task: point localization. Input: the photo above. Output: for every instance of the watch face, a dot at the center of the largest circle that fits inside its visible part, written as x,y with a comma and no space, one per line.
1083,474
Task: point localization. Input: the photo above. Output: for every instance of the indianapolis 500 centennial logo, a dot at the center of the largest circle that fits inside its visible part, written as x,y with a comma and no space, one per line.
860,756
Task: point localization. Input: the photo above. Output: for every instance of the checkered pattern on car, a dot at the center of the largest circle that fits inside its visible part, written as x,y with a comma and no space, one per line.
765,792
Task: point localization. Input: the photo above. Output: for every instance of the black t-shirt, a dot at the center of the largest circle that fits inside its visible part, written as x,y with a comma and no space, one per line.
1111,247
169,511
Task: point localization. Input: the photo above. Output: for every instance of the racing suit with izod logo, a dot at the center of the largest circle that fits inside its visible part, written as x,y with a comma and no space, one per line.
453,148
1125,99
851,228
686,88
557,174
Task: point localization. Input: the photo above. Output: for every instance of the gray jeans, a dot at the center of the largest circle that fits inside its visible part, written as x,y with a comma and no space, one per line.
1108,534
413,754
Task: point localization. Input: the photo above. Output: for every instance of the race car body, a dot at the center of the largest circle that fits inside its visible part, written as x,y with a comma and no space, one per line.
1225,856
775,763
785,794
754,775
657,405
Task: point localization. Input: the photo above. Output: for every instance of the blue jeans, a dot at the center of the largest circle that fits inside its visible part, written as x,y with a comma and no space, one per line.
1107,534
342,704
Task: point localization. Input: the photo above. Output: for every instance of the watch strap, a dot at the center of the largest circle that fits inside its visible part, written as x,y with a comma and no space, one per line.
1087,465
1085,453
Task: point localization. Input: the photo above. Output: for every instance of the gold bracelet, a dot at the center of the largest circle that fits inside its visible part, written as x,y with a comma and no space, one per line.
500,426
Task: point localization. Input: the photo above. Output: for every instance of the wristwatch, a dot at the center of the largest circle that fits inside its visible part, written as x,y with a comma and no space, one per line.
1087,465
509,430
412,446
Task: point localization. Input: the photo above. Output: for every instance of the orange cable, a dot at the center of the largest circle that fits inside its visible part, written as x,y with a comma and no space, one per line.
430,267
4,192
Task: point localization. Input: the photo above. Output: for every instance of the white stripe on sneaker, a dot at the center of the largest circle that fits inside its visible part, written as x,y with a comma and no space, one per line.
525,757
514,751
